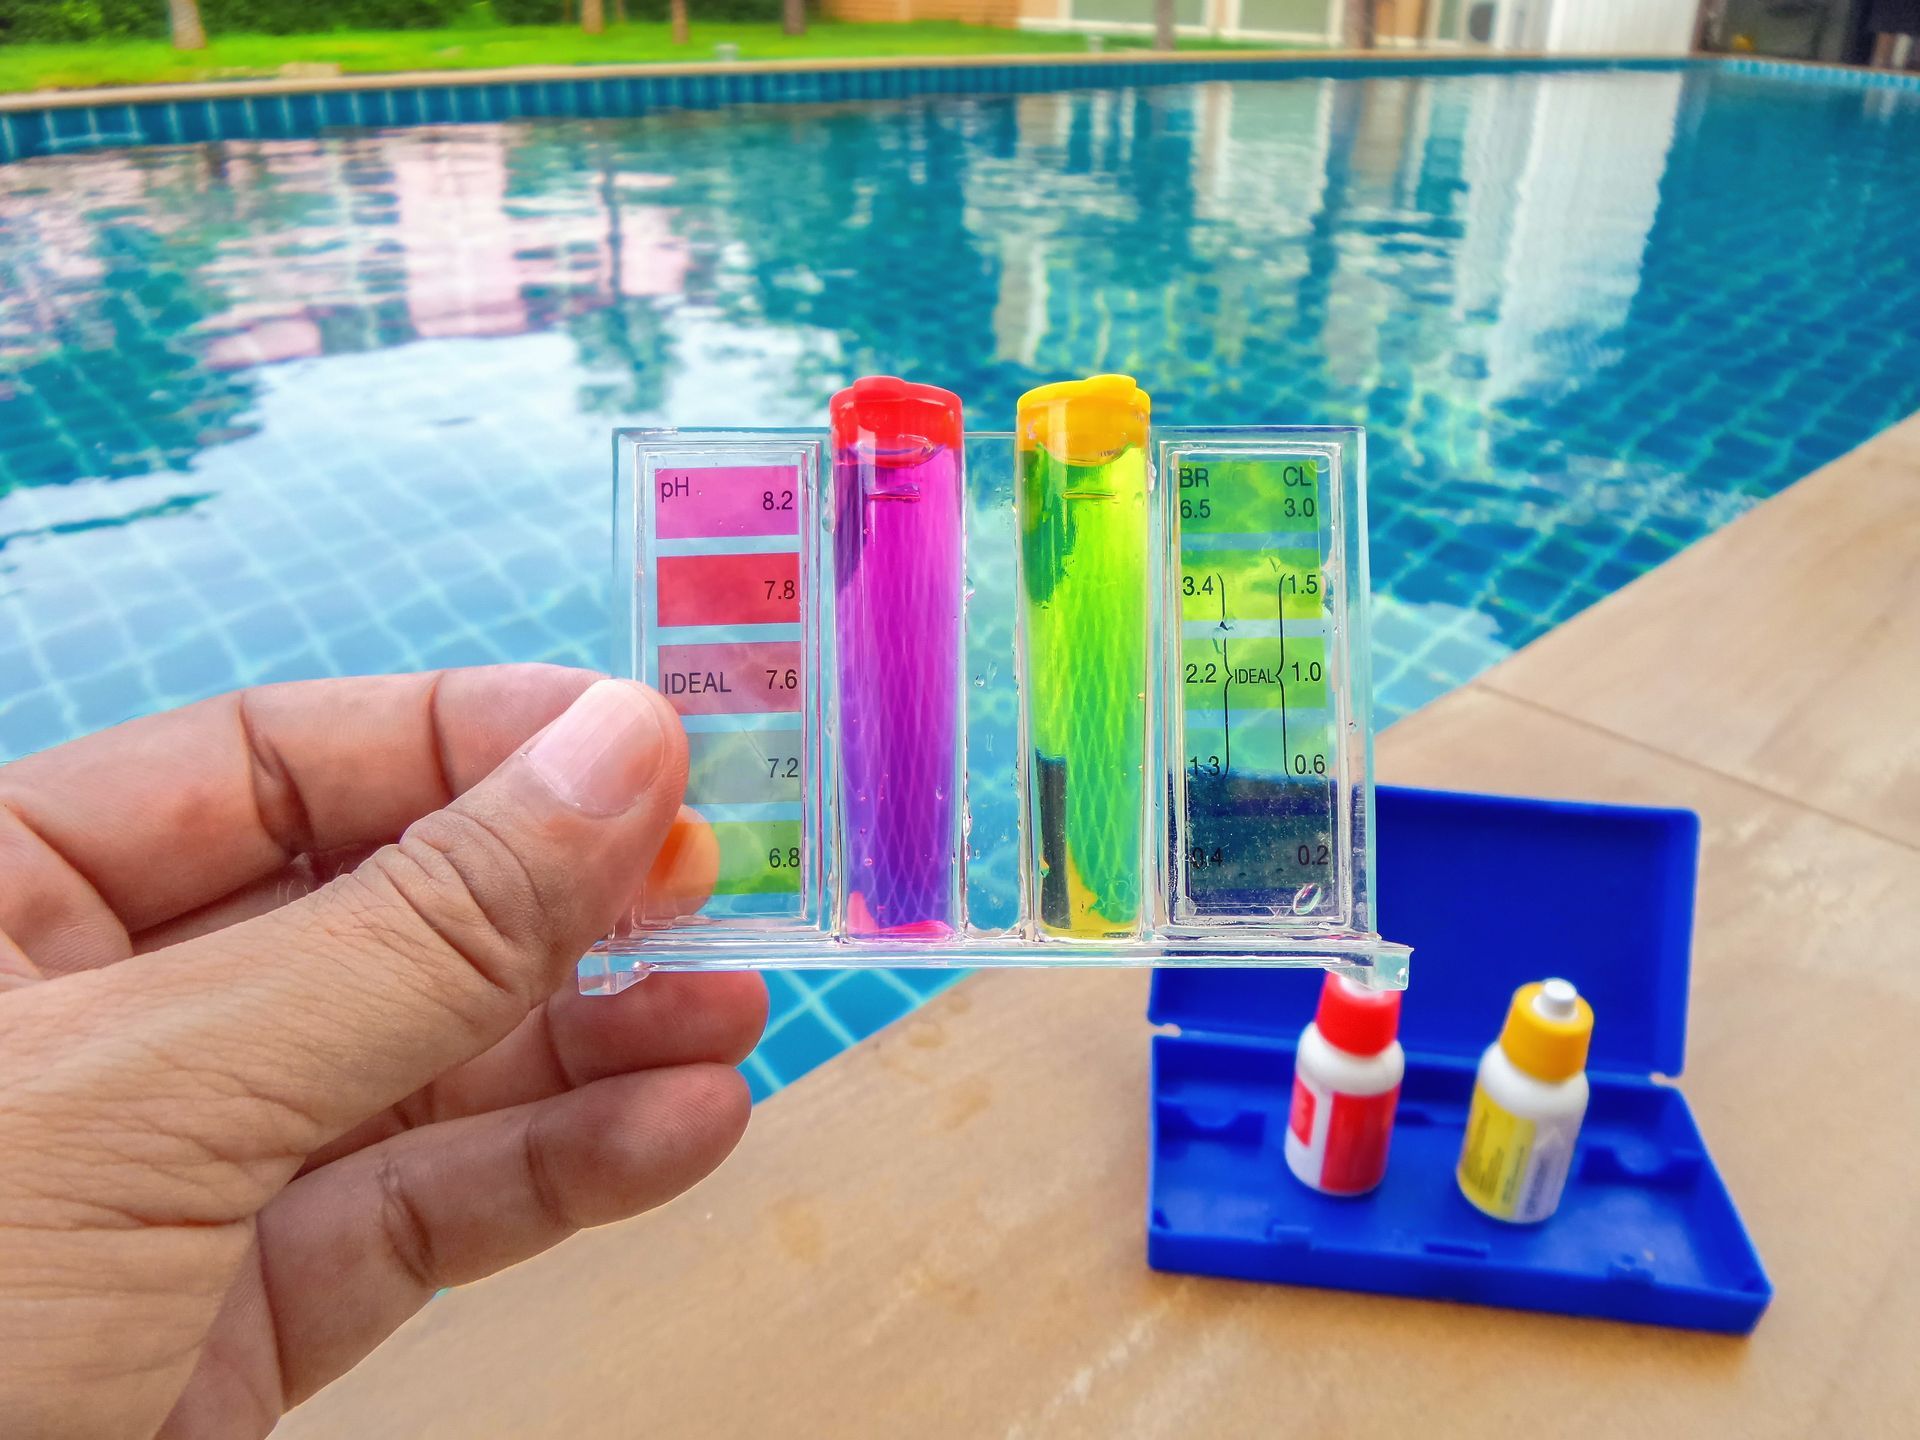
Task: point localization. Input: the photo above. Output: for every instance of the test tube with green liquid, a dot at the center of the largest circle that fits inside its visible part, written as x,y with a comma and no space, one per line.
1082,505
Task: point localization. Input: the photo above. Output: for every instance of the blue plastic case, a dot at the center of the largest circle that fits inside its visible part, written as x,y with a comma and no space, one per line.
1491,892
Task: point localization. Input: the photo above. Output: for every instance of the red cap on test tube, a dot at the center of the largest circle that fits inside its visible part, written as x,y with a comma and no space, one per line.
896,417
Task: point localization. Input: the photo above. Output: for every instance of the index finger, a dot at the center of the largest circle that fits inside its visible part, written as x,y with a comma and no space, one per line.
140,824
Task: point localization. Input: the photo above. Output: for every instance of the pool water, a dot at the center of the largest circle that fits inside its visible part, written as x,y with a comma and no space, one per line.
284,409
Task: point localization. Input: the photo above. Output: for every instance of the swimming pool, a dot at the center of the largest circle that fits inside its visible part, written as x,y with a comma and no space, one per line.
276,409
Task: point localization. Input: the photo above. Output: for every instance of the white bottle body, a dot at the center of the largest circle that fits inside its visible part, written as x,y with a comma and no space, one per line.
1519,1142
1342,1115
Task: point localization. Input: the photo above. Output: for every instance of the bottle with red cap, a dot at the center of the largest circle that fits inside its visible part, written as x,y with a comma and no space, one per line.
1346,1086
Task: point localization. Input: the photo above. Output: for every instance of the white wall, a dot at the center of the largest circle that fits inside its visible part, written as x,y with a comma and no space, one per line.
1621,27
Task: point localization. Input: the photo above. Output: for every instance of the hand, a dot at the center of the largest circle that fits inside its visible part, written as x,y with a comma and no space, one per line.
264,1087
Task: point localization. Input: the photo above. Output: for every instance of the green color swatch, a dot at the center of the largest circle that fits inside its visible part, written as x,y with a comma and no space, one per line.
1251,497
1267,584
758,857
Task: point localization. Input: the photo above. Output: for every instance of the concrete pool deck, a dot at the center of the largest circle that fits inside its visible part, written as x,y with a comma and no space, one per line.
940,1232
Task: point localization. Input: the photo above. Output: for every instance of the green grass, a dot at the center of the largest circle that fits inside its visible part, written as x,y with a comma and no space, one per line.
370,52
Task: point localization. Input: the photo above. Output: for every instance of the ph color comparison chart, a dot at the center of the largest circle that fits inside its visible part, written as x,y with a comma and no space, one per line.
727,649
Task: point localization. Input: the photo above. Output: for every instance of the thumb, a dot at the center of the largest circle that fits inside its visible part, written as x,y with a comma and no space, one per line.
344,1002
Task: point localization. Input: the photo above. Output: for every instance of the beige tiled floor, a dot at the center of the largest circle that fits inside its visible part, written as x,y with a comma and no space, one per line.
940,1232
1784,650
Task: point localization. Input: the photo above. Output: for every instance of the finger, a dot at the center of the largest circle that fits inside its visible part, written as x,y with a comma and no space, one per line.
350,1251
681,880
299,878
574,1040
16,969
121,831
301,1023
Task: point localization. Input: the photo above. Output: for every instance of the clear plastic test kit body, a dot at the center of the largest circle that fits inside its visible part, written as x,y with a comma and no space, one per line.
1094,692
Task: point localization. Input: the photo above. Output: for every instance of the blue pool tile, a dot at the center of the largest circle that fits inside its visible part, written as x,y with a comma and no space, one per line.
116,123
193,665
229,120
337,108
302,113
275,116
927,982
370,650
761,1082
802,1041
867,1000
31,723
305,663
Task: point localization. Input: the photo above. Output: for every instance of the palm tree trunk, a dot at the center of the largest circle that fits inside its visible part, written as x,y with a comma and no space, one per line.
593,16
183,21
1163,24
793,16
1362,22
677,9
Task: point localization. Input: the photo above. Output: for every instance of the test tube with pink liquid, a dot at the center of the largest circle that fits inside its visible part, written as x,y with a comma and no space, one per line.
899,587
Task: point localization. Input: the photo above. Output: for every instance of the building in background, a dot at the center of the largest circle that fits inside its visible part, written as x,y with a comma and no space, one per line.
1640,27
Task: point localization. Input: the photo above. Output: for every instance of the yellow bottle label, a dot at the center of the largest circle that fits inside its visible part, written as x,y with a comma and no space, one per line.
1496,1157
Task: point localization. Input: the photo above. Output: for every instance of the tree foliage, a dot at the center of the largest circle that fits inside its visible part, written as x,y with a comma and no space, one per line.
74,20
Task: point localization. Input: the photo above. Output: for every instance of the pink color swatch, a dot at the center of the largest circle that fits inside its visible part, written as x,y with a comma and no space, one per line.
757,677
729,589
697,504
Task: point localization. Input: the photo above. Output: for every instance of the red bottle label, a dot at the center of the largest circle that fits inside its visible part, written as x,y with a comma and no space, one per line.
1301,1121
1358,1131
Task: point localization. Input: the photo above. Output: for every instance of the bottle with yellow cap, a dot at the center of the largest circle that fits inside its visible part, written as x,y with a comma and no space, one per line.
1528,1101
1082,501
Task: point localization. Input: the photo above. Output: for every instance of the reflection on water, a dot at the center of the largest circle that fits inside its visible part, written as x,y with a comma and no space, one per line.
283,409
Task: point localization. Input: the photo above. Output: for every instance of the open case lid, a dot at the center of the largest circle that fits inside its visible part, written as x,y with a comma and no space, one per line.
1491,891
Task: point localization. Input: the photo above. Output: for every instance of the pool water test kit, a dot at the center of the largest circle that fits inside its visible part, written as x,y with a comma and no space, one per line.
1095,691
1130,657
